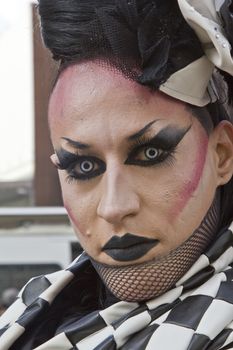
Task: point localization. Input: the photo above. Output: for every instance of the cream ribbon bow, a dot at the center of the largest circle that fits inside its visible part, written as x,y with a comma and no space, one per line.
193,83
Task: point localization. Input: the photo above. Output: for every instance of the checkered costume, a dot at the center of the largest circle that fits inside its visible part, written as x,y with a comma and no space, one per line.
197,314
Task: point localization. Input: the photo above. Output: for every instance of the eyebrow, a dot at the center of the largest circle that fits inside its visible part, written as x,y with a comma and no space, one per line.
76,144
168,137
81,145
142,131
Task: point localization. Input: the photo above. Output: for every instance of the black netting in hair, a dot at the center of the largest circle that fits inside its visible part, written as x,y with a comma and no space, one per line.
147,40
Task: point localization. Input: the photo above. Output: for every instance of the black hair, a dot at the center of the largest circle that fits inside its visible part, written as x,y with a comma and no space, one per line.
147,40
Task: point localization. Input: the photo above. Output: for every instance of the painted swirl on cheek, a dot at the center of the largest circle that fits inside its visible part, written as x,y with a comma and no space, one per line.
194,177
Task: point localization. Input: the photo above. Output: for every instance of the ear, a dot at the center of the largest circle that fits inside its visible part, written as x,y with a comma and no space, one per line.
223,147
54,159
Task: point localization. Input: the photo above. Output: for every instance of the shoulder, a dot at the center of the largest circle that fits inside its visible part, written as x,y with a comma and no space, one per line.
38,293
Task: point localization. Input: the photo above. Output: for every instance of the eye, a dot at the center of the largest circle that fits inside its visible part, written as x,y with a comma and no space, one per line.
148,155
151,153
85,168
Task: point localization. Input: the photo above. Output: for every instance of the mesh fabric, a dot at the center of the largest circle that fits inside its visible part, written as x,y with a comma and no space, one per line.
148,280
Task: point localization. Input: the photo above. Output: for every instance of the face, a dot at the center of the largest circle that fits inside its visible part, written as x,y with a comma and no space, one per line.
133,163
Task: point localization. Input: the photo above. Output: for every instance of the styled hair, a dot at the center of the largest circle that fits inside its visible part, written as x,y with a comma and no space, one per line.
147,40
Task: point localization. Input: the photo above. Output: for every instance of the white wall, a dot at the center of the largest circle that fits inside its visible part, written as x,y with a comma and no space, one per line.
16,91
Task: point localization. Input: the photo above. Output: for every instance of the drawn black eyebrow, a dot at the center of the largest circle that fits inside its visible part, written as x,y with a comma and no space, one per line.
80,145
76,144
142,131
167,138
169,135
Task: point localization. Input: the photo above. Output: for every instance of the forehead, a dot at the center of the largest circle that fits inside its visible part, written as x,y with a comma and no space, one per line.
90,93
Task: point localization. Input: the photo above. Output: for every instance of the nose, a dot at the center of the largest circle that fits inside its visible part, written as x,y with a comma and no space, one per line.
118,199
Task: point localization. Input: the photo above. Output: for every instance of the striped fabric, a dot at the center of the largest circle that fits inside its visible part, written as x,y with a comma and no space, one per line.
197,314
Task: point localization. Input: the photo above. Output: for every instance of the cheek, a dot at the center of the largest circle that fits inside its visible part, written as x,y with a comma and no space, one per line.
79,208
69,200
192,176
73,218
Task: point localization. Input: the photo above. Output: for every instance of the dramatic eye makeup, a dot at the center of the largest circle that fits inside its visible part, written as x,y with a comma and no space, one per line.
80,167
147,151
143,151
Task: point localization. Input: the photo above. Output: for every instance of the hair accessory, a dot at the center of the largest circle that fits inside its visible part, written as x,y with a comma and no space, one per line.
212,22
171,45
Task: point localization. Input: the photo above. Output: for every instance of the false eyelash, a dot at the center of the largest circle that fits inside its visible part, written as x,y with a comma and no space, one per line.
145,141
72,175
66,159
170,159
71,178
139,142
165,139
165,158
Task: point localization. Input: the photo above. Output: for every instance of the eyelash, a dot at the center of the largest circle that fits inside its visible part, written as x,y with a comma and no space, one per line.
138,146
72,174
144,143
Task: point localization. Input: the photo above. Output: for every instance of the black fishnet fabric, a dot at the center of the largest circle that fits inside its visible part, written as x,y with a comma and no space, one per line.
147,40
148,280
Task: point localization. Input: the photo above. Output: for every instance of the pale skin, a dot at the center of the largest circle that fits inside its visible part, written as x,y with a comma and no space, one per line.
167,201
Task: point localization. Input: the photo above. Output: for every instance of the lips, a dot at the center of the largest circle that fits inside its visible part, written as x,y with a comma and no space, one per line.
129,247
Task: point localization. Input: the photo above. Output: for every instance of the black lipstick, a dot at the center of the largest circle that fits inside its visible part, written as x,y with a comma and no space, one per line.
129,247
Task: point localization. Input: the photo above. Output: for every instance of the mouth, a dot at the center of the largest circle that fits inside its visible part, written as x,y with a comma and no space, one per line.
129,247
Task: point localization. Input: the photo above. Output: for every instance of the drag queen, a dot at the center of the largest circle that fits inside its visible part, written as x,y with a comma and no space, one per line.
140,120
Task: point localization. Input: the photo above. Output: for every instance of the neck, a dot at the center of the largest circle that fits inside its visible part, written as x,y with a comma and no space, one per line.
148,280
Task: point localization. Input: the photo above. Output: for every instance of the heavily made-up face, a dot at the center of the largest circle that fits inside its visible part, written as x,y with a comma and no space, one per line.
137,169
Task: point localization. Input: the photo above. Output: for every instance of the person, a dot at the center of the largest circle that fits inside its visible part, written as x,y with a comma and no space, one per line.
140,120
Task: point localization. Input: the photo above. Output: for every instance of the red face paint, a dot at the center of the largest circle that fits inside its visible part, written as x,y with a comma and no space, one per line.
72,217
195,176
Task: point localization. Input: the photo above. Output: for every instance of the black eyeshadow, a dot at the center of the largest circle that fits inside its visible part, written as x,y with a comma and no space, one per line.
169,137
66,159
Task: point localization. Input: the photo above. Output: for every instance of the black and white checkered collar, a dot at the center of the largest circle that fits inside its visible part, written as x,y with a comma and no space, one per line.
60,311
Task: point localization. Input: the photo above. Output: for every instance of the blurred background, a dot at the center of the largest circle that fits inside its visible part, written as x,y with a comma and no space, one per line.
27,71
35,233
